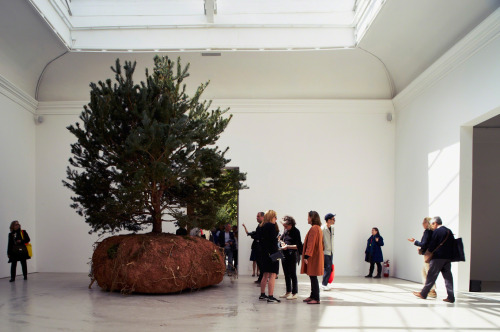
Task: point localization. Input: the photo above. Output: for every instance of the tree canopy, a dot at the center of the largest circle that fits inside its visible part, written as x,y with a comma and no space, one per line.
146,153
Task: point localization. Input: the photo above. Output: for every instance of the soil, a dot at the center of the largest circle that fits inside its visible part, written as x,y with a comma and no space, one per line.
156,263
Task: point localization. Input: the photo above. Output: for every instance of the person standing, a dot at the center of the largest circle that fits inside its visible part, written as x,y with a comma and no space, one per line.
235,247
16,249
291,245
227,241
424,244
269,245
312,256
181,230
328,232
255,249
441,247
373,253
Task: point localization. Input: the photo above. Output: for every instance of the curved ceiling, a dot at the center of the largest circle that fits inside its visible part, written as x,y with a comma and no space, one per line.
342,74
27,44
410,35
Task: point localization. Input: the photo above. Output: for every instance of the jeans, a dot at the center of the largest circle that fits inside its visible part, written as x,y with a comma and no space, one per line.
314,288
290,271
328,269
229,254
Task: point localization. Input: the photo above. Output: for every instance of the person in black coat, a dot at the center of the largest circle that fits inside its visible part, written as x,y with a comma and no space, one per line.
373,252
291,244
269,245
16,249
423,244
255,249
441,247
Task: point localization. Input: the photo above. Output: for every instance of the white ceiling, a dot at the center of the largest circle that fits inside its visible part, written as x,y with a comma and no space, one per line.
406,37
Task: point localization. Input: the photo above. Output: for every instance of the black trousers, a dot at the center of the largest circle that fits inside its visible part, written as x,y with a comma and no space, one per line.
258,252
290,270
314,288
372,267
13,268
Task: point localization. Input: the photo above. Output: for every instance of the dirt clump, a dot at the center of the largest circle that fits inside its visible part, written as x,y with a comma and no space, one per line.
156,263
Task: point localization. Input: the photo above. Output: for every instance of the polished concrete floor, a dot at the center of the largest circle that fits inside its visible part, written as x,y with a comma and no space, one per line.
63,302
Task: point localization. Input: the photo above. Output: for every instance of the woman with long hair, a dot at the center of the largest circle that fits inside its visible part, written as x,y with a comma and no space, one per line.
269,245
424,244
16,249
373,252
312,256
291,245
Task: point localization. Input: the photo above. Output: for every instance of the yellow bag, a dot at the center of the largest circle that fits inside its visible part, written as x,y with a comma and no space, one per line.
28,246
30,250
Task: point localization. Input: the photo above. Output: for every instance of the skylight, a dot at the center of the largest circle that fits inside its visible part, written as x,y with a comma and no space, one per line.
148,25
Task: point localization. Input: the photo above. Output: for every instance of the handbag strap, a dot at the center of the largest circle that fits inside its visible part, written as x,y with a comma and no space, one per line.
446,238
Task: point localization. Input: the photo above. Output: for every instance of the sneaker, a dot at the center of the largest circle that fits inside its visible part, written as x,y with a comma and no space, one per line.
326,288
368,276
272,299
377,276
263,297
432,294
292,297
284,296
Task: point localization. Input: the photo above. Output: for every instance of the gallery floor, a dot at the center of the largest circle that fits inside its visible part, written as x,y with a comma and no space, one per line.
63,302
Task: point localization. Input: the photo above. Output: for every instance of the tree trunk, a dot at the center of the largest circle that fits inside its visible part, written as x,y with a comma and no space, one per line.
157,225
157,222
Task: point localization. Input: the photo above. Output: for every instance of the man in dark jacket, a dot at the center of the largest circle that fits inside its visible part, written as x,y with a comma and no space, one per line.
441,245
227,241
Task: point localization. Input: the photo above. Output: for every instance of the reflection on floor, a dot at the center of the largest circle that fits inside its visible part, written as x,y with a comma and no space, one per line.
59,301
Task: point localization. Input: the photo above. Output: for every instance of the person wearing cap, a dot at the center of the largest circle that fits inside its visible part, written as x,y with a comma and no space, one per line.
328,233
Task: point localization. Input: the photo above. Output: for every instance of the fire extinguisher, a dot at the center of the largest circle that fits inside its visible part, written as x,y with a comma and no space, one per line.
386,269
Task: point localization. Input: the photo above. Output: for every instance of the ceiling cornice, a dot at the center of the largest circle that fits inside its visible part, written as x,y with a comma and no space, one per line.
268,106
480,37
17,95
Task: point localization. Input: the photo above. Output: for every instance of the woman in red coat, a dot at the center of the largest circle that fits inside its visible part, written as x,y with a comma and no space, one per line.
312,256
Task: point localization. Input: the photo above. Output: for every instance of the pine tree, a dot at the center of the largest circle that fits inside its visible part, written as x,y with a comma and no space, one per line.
147,151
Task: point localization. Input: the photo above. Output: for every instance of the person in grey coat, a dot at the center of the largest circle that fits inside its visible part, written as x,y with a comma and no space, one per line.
328,232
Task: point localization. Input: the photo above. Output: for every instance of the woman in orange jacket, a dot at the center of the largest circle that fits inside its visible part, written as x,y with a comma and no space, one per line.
312,256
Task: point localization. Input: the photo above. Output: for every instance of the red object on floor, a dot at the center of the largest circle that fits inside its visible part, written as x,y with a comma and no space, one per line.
332,275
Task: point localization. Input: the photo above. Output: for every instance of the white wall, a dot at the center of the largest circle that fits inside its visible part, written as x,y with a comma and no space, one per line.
333,156
428,142
17,172
485,207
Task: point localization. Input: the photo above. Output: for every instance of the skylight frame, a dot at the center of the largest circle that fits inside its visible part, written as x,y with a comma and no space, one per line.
320,27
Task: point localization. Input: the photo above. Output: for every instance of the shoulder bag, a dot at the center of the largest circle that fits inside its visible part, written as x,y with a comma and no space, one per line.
28,246
428,254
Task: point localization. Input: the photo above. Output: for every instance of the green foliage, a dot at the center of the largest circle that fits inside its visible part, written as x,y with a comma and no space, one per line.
145,151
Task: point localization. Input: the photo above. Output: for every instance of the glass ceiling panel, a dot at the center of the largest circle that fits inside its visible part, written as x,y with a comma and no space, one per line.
101,13
136,25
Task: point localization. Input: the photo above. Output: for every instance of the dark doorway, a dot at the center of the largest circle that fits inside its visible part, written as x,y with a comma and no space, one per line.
485,225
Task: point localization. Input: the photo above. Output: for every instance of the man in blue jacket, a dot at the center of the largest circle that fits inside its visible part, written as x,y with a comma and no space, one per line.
441,245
